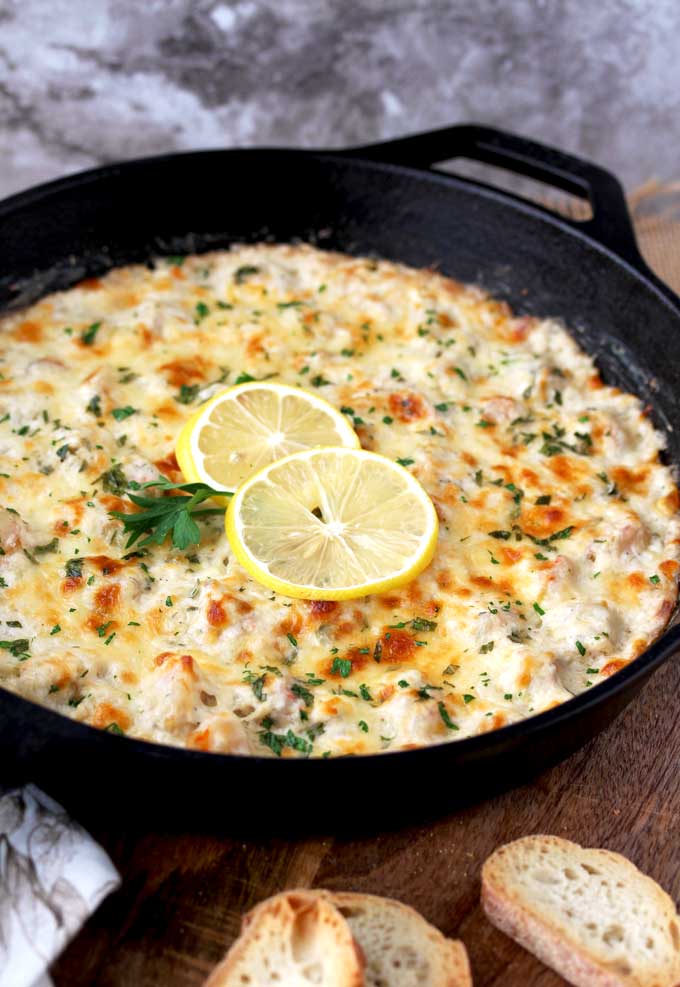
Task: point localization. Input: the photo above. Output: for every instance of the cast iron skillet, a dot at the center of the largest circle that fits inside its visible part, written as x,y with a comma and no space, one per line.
379,200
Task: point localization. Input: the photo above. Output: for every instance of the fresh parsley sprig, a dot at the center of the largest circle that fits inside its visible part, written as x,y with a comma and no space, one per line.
162,515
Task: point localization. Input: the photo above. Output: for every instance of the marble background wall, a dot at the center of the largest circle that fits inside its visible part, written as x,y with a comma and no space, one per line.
88,81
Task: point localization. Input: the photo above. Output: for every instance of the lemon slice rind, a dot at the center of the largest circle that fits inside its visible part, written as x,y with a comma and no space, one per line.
408,502
322,420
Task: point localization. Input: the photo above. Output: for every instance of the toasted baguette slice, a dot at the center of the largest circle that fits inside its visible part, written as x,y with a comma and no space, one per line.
295,939
591,915
400,948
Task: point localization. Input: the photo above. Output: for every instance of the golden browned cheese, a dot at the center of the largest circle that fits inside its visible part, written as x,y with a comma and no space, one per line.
558,549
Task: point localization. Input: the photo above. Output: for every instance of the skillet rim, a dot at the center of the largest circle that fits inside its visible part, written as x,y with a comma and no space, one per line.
662,648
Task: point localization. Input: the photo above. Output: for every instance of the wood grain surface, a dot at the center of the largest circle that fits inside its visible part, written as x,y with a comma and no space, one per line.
182,896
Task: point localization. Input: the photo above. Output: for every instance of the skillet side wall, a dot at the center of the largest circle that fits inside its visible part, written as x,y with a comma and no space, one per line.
100,777
52,237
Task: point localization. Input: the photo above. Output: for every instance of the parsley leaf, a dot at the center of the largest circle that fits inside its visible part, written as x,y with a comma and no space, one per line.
443,712
74,568
299,690
162,515
89,335
342,667
244,272
114,480
120,414
18,648
187,393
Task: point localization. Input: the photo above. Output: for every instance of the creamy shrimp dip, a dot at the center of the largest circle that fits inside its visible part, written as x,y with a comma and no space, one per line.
558,544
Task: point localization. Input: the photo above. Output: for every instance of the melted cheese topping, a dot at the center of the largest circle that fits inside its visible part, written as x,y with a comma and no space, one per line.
558,548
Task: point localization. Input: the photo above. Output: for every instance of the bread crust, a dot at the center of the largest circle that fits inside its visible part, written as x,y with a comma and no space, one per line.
508,910
454,968
281,917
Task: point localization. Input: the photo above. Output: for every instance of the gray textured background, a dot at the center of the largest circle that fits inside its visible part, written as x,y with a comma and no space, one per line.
88,81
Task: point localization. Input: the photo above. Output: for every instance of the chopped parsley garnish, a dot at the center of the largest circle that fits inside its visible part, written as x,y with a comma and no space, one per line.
94,406
17,648
120,414
539,610
342,667
363,725
114,480
654,579
504,535
544,500
443,712
256,683
579,647
162,515
63,452
467,698
406,462
292,640
303,693
74,568
402,683
89,335
244,272
387,420
187,393
422,624
50,546
202,311
114,728
244,378
319,381
55,630
460,373
277,741
486,648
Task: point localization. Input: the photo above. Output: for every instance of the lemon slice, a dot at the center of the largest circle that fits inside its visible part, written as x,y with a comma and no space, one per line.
249,426
332,524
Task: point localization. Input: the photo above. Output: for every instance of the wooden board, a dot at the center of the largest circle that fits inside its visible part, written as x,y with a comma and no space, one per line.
182,896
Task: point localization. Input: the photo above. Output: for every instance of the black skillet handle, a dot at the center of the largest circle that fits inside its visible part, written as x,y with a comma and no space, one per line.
611,224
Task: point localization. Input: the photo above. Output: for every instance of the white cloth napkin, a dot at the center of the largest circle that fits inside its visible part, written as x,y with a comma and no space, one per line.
52,877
